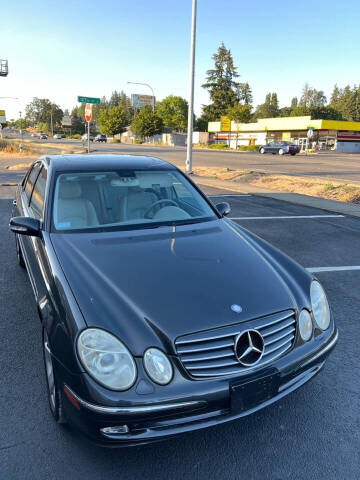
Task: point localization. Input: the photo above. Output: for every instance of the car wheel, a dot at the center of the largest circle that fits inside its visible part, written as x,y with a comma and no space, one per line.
293,154
54,394
19,253
262,151
281,151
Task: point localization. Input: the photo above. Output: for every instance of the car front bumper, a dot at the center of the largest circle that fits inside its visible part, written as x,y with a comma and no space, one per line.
230,399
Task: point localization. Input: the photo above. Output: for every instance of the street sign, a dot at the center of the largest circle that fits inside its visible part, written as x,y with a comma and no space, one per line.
89,100
225,124
139,101
88,112
2,116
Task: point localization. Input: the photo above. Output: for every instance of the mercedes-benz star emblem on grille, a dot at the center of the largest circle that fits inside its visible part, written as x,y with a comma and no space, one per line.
249,347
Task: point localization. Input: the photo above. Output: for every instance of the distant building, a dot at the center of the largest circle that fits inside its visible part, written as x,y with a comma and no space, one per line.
336,135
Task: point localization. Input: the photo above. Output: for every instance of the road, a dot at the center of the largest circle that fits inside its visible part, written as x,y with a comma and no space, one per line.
312,434
342,167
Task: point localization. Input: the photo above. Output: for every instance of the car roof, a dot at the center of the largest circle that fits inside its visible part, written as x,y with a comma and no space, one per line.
86,162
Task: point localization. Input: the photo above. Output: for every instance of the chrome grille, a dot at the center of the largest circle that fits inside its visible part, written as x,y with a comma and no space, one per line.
211,353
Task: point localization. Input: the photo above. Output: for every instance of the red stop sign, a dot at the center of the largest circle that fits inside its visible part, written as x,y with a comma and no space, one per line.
88,112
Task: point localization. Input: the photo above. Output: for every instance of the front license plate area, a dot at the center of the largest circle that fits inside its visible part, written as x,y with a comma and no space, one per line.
245,396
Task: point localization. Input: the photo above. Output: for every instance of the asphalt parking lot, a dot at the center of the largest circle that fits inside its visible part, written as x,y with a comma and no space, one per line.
312,434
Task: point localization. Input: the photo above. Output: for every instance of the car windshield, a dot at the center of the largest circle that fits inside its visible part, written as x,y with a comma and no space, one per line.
126,199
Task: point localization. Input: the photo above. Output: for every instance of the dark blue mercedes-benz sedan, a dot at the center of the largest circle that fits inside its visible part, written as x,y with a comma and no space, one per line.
159,315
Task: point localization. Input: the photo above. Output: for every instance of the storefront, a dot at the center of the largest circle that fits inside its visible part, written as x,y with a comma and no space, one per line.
308,133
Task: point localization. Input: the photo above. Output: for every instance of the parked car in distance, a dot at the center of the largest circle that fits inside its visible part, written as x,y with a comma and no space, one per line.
58,136
85,137
100,138
43,136
35,135
159,315
282,148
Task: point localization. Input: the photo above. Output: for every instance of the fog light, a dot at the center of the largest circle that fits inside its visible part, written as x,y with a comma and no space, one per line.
120,429
305,325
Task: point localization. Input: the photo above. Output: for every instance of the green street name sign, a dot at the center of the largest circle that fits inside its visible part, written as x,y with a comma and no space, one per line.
88,100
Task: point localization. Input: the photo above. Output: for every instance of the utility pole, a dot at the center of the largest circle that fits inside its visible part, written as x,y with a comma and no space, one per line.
51,121
191,96
21,132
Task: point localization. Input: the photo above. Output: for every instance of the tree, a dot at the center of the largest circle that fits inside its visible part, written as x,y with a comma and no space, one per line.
245,94
224,91
41,110
239,113
311,97
335,96
269,109
320,113
201,124
173,111
294,103
146,122
113,120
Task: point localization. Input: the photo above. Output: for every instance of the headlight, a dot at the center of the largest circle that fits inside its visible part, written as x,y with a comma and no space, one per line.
158,366
305,325
319,305
106,359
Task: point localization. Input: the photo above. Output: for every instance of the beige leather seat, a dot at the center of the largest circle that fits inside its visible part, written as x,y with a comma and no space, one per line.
74,211
134,204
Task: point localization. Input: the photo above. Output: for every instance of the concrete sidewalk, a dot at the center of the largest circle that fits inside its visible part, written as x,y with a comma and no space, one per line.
343,208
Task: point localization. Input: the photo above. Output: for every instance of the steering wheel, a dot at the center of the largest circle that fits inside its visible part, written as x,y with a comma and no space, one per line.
158,202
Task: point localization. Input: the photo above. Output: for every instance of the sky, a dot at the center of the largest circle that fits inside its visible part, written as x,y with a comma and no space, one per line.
59,50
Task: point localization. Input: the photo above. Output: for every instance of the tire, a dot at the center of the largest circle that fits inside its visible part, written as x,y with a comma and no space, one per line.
20,257
262,151
293,154
53,391
281,151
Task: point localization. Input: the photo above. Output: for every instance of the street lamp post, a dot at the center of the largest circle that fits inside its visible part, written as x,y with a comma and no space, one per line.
21,132
152,91
191,95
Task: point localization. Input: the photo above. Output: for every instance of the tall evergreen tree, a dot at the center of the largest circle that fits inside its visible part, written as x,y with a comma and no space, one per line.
221,83
268,109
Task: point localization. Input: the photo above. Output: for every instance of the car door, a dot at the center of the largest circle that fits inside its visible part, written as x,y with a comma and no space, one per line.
37,258
22,208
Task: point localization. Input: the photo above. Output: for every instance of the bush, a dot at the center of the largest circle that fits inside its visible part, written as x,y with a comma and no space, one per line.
248,148
138,141
76,136
219,146
116,140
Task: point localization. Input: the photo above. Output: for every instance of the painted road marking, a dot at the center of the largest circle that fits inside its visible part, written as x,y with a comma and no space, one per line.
332,269
286,217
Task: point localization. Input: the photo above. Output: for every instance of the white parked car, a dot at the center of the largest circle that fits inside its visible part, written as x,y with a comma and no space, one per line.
84,137
58,136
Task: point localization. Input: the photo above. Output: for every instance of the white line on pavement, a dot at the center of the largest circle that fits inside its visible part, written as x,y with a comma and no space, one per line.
332,269
232,195
286,217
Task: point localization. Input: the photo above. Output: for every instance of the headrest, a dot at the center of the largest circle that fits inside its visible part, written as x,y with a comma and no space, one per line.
68,190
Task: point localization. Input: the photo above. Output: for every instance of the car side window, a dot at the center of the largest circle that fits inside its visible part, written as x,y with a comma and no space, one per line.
31,179
38,194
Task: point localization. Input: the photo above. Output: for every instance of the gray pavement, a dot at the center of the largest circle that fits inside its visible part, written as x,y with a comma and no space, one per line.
312,434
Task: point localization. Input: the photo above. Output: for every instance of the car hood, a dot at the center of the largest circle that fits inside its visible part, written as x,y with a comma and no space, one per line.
150,286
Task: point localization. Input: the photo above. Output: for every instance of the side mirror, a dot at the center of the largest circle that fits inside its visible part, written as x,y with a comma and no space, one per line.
223,208
25,226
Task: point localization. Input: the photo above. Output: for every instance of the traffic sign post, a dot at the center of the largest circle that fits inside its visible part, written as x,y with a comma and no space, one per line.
88,116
